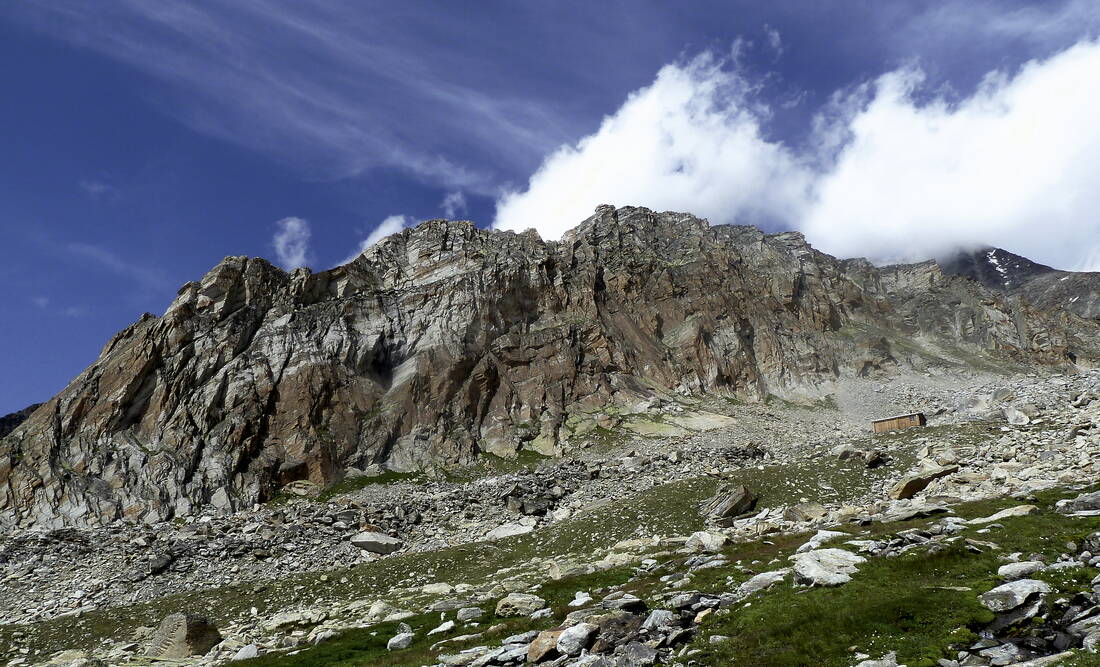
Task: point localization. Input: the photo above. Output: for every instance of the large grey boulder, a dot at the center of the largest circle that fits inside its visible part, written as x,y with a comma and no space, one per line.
508,530
519,604
762,581
706,541
575,639
1007,597
1016,417
182,636
728,503
376,543
1086,502
1014,571
400,641
826,567
919,481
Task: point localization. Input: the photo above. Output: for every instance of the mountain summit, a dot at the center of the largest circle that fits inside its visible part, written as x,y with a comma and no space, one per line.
1008,273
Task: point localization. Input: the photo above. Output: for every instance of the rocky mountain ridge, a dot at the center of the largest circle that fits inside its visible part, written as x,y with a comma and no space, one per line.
446,342
1046,287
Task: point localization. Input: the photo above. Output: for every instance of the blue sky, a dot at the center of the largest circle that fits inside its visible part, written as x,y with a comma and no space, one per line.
144,141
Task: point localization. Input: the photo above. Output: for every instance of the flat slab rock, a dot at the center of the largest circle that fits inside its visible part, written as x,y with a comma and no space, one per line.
826,567
376,543
1007,597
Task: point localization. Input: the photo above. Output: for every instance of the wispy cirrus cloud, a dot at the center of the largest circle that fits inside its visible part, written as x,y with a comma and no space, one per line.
320,85
145,277
97,189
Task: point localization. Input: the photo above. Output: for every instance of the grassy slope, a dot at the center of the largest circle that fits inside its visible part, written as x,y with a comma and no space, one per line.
919,605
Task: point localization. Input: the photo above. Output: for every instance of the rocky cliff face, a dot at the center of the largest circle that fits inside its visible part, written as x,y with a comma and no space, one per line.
447,341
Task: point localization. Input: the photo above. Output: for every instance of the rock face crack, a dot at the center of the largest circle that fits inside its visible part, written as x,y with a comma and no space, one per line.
447,341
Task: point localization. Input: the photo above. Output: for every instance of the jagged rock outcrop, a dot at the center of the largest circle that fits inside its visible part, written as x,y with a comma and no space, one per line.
447,341
9,421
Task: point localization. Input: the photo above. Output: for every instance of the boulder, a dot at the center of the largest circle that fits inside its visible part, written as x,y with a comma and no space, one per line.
376,543
825,567
575,639
467,614
508,530
1019,510
445,626
706,541
917,482
1014,571
519,604
400,641
762,581
728,503
805,512
1016,417
544,646
182,636
821,537
1086,502
1007,597
636,654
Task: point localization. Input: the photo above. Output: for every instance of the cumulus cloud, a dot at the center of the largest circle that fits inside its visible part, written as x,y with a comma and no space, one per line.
391,225
1014,164
893,170
691,141
454,204
291,243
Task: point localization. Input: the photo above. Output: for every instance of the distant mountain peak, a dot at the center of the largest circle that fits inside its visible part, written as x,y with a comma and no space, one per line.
996,268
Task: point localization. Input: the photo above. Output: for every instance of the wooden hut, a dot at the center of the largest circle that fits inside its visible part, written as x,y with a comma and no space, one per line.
899,422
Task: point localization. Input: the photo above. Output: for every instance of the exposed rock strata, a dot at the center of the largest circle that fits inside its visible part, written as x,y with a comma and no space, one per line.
447,341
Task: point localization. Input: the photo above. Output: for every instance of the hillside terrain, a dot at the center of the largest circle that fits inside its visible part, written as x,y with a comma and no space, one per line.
647,443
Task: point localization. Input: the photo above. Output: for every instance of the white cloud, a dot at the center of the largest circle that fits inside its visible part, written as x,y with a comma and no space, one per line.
1015,164
893,172
774,40
691,141
330,89
98,189
453,204
391,225
291,243
41,301
144,276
